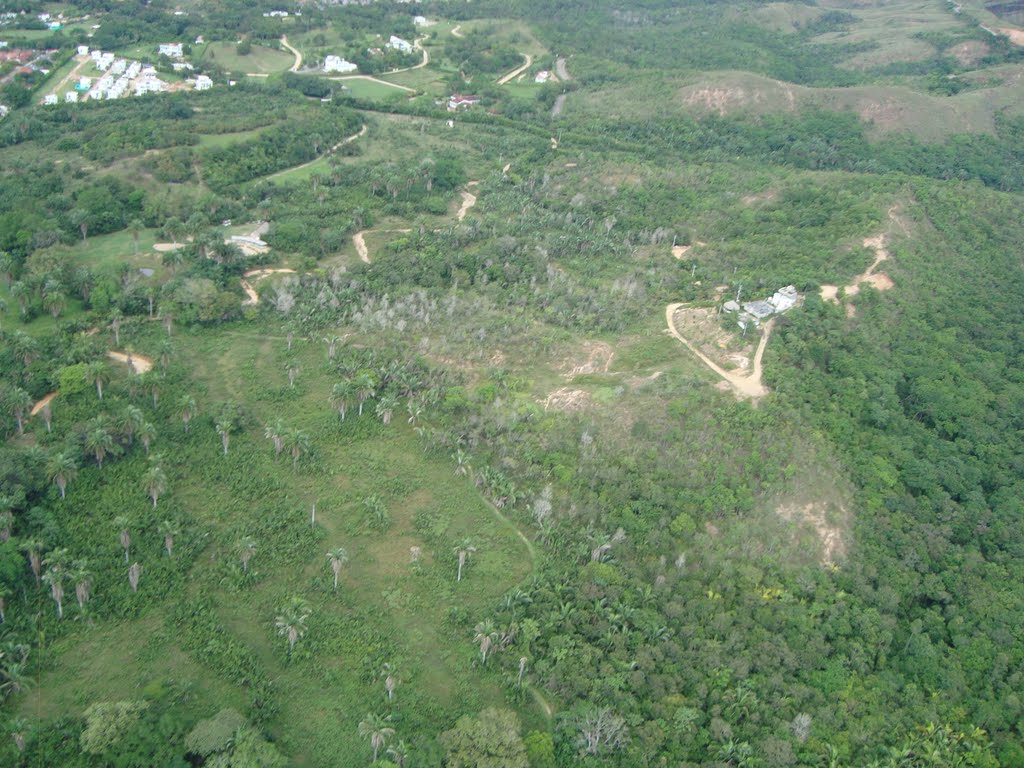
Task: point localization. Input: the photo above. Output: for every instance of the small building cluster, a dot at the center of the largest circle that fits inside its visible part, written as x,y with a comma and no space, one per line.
753,312
458,101
338,64
399,44
173,50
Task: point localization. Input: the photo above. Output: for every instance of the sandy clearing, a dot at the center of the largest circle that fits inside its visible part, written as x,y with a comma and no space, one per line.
42,404
468,201
518,70
749,385
567,400
360,243
833,546
165,247
1016,36
346,140
599,356
680,250
456,32
298,55
257,275
135,363
507,167
878,280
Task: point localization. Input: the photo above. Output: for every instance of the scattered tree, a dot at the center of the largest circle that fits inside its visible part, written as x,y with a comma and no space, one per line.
337,558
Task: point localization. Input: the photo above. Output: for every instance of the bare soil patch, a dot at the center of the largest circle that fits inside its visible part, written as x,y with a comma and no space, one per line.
165,247
42,404
566,400
969,52
815,515
596,358
255,275
135,363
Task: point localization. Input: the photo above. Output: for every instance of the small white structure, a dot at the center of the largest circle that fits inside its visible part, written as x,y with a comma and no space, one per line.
457,102
276,14
542,77
420,21
84,83
71,97
4,109
50,99
399,44
203,83
83,50
174,50
200,40
784,298
118,67
334,63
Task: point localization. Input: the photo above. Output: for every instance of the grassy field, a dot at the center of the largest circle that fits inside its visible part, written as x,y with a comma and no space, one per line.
227,139
416,619
261,60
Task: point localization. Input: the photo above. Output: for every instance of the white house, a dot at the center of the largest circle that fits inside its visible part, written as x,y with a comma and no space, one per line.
83,50
203,83
118,67
71,97
542,77
420,21
4,109
458,101
50,99
174,50
400,45
338,64
84,83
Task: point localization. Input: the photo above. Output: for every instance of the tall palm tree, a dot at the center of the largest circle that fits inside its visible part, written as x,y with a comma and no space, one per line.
293,370
54,578
376,728
25,347
20,403
462,552
82,579
298,444
187,409
129,421
4,594
332,343
275,432
399,753
246,549
522,670
341,394
366,387
337,557
47,413
225,425
123,534
485,636
97,374
155,482
133,576
61,468
115,326
33,550
98,440
386,407
166,350
147,434
168,530
291,622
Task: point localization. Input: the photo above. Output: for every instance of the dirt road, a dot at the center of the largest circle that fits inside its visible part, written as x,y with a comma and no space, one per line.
560,69
518,71
82,61
135,363
749,385
468,201
360,243
455,31
559,104
346,140
877,280
42,404
258,274
295,52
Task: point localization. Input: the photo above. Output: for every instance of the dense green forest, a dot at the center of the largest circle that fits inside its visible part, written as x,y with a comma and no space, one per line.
342,429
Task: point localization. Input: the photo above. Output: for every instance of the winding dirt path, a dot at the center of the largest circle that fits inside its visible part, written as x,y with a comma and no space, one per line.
42,403
749,385
295,52
468,201
373,79
877,280
455,31
360,243
518,70
560,69
257,275
346,140
135,363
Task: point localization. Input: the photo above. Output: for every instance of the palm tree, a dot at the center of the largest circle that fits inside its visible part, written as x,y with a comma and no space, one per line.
386,407
341,393
462,552
20,403
399,753
187,409
135,226
298,444
155,483
225,425
366,387
133,576
166,350
147,434
332,343
82,578
47,413
115,326
293,370
246,549
275,432
130,420
33,549
376,728
168,530
485,636
61,468
522,669
4,594
96,373
173,258
98,440
19,728
390,681
123,534
337,557
54,577
462,465
291,622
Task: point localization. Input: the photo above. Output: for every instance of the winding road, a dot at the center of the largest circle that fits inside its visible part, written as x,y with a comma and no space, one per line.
346,140
295,52
519,70
749,385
